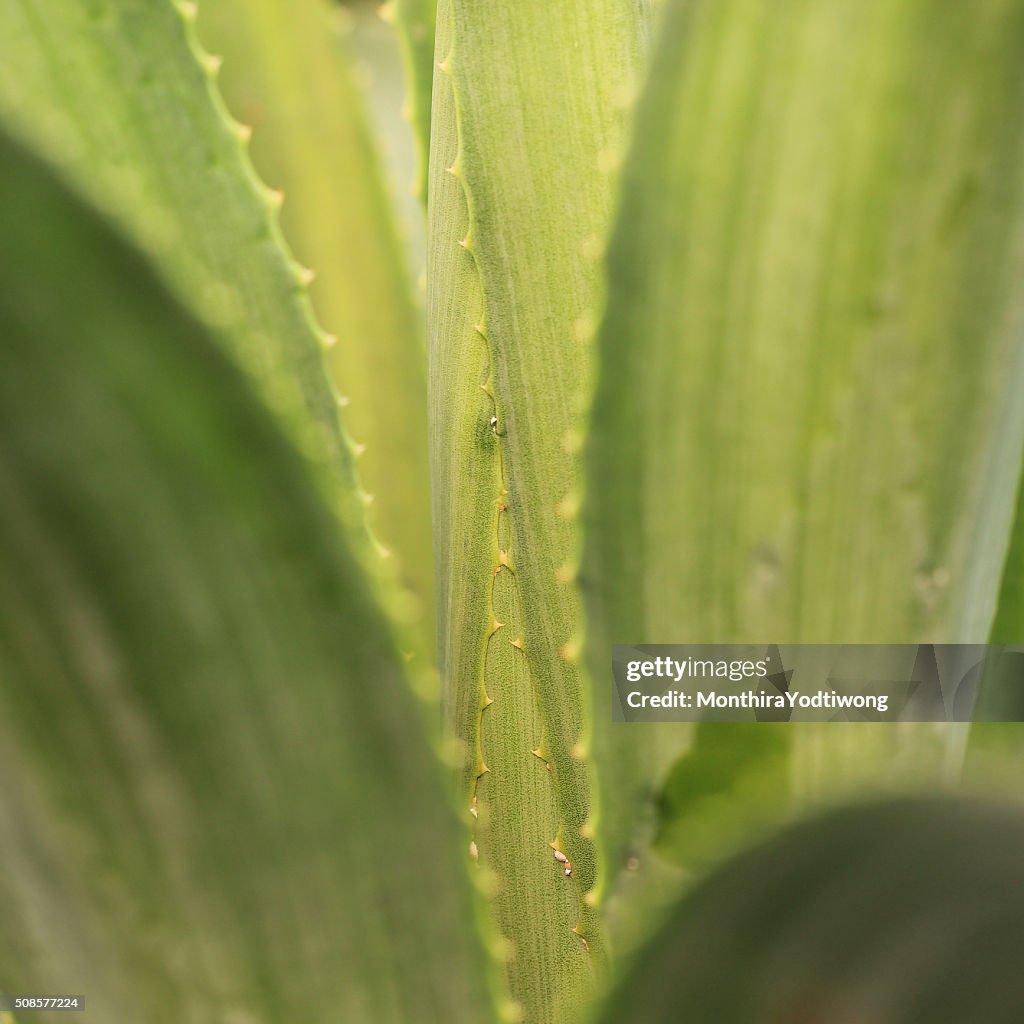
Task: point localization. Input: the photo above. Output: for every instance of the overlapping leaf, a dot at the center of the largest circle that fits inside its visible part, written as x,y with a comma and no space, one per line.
901,913
415,20
220,801
808,421
286,72
119,94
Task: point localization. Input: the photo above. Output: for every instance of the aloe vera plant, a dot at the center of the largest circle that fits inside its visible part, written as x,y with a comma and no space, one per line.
260,521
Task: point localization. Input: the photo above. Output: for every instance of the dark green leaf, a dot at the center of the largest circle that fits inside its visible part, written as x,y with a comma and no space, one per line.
907,912
219,802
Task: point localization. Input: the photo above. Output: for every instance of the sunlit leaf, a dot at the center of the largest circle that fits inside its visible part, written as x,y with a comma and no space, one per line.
286,72
807,426
524,140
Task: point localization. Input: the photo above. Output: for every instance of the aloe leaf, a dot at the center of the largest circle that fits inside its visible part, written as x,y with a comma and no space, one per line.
707,796
994,750
286,73
807,426
523,142
415,22
903,912
219,800
121,96
381,72
1009,621
1008,625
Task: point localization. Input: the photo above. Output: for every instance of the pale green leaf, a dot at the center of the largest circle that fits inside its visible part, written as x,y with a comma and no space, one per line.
808,421
220,802
415,22
286,72
527,113
119,95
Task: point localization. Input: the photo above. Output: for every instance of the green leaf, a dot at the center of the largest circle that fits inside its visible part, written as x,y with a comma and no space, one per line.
523,140
123,99
708,795
995,750
899,913
1008,626
219,801
415,22
286,72
807,426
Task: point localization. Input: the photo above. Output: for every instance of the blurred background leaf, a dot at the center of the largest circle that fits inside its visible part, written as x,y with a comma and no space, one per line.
121,97
807,425
287,73
906,912
415,21
413,28
995,750
220,800
380,70
705,801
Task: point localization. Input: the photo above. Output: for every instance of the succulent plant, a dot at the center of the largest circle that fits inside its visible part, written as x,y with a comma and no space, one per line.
309,578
